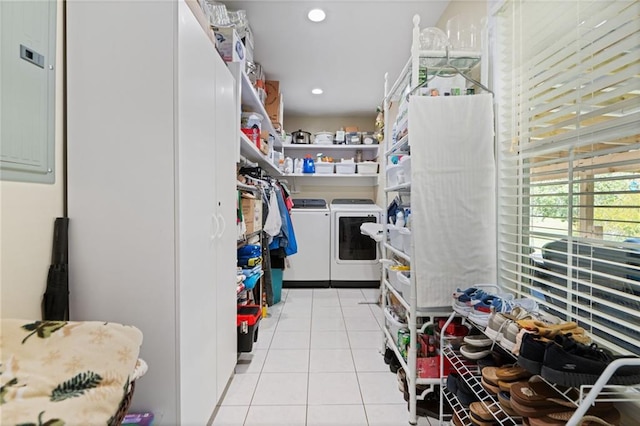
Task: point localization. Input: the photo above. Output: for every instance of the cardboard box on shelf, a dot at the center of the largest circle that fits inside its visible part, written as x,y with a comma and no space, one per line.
264,146
273,88
350,129
229,45
252,214
275,110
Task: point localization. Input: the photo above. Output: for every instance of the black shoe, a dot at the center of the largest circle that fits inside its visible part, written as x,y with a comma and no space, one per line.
531,353
394,365
389,354
457,386
582,365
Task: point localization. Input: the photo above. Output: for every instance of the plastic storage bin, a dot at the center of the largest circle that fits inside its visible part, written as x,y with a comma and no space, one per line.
345,168
404,283
247,322
395,175
405,163
405,234
323,168
395,238
276,284
368,168
394,325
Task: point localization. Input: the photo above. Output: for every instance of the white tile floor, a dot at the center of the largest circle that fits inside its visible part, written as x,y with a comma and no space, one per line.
317,362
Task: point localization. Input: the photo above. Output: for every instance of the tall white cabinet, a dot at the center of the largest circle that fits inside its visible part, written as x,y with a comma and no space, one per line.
151,195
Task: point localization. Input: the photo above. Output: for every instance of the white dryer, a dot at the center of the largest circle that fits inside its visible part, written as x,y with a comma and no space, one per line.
354,256
310,266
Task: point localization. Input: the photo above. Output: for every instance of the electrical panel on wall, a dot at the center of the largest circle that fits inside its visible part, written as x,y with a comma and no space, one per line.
27,84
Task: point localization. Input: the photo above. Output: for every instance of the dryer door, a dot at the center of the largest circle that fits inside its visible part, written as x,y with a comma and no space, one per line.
350,244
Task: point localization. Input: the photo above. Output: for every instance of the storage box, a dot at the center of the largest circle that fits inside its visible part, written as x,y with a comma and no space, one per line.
395,175
395,238
405,163
394,325
323,168
350,129
368,138
345,168
430,367
352,138
230,46
405,234
252,214
273,89
275,109
247,322
368,168
404,283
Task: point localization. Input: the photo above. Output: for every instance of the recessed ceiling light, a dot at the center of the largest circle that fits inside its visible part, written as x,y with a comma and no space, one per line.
317,91
317,15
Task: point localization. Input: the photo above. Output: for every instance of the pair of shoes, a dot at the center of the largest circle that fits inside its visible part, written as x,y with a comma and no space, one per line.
394,364
537,398
571,363
457,386
481,414
389,355
496,379
474,352
478,340
550,331
463,303
504,399
502,304
503,327
610,418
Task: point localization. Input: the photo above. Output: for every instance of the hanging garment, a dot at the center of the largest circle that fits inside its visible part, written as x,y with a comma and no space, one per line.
273,223
286,239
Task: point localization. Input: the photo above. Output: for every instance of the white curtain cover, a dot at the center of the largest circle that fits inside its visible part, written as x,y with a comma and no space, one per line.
453,201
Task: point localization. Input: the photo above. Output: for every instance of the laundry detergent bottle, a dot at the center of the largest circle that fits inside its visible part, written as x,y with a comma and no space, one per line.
308,166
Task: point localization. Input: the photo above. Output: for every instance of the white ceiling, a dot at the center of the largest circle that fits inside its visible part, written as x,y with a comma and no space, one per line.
346,55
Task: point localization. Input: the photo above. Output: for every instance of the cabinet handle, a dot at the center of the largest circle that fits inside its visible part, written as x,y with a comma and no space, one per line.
224,225
215,226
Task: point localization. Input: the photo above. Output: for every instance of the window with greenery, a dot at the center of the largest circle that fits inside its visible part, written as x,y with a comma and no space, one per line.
567,79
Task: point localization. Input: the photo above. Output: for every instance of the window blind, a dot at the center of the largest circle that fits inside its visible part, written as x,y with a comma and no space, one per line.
567,80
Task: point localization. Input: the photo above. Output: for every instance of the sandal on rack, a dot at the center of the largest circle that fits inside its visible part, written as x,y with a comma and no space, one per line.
537,398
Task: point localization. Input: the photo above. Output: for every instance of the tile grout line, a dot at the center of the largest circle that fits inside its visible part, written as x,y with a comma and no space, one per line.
264,362
355,368
306,413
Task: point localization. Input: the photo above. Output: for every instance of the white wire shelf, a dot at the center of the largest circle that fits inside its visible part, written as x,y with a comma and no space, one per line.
405,187
397,252
400,147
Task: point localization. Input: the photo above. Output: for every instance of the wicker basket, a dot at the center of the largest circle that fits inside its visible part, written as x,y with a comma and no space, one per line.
123,409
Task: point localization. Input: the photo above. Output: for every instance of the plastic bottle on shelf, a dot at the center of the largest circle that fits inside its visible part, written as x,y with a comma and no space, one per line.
288,165
400,218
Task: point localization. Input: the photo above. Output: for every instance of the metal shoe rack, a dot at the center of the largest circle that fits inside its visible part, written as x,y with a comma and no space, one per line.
436,64
588,394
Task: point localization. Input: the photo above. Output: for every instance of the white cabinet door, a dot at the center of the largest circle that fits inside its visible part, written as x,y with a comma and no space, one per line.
226,143
198,222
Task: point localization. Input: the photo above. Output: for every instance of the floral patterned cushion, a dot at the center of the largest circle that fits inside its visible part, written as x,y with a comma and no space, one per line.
56,373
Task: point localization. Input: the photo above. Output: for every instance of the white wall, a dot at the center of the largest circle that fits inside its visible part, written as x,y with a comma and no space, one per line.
473,11
314,124
27,215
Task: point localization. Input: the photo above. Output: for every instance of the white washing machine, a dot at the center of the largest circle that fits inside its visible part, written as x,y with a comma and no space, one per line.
310,266
354,256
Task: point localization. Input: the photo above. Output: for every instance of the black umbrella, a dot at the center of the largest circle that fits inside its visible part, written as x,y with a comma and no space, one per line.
55,303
